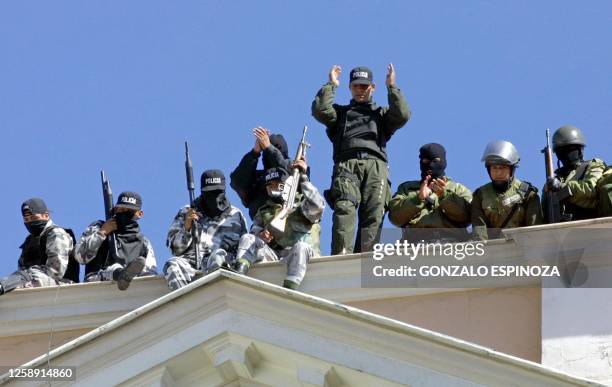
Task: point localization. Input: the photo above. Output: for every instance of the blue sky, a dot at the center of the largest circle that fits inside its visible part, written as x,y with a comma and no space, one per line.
120,86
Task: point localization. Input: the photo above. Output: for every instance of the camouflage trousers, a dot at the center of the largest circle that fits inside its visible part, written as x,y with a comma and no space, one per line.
180,271
29,278
254,249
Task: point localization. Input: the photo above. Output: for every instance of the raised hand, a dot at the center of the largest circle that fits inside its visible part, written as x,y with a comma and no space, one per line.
334,74
390,75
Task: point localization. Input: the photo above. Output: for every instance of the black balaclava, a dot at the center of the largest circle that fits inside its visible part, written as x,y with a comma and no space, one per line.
279,143
36,227
130,242
430,152
570,156
213,203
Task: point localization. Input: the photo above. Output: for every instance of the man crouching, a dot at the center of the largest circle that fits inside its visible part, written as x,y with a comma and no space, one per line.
294,244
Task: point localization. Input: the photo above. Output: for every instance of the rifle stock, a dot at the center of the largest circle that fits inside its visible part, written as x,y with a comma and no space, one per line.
554,209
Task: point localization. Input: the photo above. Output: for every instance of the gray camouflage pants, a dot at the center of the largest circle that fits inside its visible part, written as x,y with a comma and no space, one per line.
254,250
179,271
104,274
29,278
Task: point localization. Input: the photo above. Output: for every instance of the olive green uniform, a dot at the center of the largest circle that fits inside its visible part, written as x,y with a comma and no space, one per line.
518,206
582,183
604,189
407,210
359,133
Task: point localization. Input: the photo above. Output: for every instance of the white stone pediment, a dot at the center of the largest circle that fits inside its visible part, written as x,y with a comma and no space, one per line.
230,330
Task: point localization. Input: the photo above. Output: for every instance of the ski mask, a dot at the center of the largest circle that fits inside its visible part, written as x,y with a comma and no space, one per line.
125,221
430,152
36,227
213,203
570,156
278,141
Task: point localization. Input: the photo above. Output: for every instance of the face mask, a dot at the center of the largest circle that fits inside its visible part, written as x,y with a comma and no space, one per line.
570,157
437,169
36,227
125,220
213,204
276,195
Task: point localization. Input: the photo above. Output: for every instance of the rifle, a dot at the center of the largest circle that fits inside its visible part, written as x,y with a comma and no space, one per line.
554,209
290,190
195,234
107,194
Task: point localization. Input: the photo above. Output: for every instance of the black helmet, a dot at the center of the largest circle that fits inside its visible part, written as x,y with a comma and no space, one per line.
567,135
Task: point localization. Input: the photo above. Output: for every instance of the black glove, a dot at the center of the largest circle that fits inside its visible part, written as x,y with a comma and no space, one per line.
554,184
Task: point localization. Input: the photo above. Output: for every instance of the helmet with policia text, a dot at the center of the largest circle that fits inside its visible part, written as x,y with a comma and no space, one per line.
501,152
567,135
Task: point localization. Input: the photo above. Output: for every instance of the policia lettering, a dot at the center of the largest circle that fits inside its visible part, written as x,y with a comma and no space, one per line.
359,133
505,202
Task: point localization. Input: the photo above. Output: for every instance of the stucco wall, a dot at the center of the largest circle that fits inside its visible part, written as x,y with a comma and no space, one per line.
507,320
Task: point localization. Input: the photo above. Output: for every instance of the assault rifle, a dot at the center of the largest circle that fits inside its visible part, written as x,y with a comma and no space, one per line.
195,234
291,186
107,194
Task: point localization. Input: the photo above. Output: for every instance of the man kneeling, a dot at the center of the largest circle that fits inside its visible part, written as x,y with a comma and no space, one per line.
294,244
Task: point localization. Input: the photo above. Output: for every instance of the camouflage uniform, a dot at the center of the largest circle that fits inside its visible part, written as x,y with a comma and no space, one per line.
359,133
583,201
59,245
452,211
604,188
90,243
219,238
492,210
294,246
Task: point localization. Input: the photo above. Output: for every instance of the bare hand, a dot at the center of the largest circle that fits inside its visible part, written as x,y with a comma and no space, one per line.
301,165
425,191
390,75
263,137
109,227
190,217
266,236
438,186
256,148
334,74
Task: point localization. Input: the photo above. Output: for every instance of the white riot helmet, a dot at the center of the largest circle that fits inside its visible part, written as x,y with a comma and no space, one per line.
501,152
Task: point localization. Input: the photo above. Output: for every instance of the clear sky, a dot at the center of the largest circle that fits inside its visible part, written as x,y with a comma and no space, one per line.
120,86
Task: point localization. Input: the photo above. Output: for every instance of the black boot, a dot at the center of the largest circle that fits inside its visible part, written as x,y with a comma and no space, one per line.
242,266
129,272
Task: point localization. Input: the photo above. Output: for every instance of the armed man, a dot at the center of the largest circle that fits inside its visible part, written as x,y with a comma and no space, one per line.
218,228
574,183
292,242
434,201
247,180
45,254
505,202
359,133
115,249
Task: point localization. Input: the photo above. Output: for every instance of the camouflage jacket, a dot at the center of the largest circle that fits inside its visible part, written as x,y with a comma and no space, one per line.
583,188
453,210
58,247
223,232
491,209
91,240
309,210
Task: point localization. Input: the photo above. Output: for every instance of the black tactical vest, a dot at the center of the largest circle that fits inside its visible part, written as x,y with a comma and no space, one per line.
34,252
